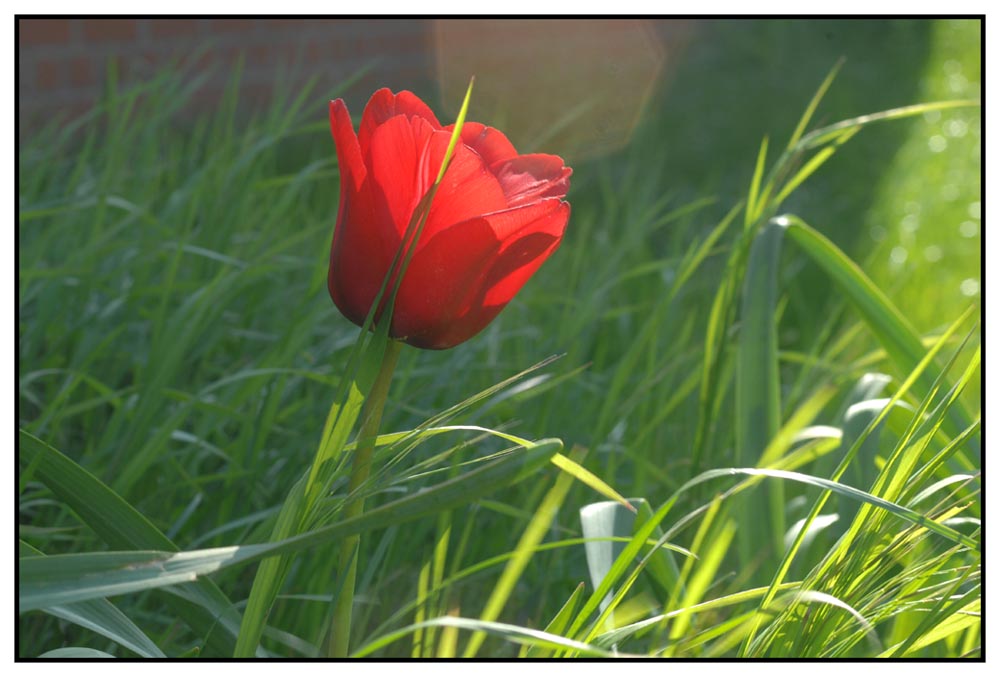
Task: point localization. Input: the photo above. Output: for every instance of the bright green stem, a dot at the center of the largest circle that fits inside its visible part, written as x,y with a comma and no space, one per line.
338,640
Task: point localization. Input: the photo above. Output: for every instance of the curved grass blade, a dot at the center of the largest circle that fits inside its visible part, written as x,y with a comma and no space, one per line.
893,330
511,633
751,213
532,536
839,471
61,579
102,617
75,652
814,104
556,625
900,511
640,627
121,526
823,135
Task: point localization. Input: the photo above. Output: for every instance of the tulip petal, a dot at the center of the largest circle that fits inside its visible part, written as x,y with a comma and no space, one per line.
394,156
528,178
509,224
440,283
358,259
524,250
360,255
491,144
467,275
385,105
349,159
496,287
467,190
405,155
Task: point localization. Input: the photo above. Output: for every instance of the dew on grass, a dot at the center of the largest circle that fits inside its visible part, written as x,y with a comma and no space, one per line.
976,210
969,287
949,193
937,143
897,256
952,67
877,233
932,116
910,224
933,253
968,228
956,127
957,83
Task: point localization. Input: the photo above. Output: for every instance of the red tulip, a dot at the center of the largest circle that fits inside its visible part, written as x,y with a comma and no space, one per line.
495,218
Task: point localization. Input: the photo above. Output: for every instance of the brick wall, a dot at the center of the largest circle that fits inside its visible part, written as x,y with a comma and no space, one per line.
588,79
63,63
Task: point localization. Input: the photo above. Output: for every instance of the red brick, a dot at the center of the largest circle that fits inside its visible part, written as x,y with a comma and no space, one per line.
316,52
42,31
81,72
47,74
109,30
263,55
287,27
234,25
173,28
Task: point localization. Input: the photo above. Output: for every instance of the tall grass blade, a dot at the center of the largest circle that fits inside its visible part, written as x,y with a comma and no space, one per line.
121,526
758,385
532,536
61,579
102,617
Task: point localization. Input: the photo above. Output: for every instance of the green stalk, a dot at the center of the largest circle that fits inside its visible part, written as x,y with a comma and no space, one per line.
338,639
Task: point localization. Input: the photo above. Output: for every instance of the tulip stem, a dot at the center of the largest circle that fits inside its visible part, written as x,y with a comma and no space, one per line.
339,637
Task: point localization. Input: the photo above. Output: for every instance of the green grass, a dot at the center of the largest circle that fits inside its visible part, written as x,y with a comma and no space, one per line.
794,409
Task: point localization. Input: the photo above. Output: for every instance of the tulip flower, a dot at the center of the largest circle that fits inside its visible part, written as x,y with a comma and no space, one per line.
495,218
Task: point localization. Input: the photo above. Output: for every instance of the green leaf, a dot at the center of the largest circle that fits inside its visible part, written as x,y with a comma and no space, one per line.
75,652
823,135
588,478
121,526
966,617
893,330
814,163
62,579
903,512
758,386
532,536
506,631
739,598
456,133
710,545
270,576
814,104
754,194
102,617
557,624
607,520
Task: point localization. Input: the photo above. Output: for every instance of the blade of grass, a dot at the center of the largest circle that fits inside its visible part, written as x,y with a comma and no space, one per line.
121,526
758,386
532,536
102,617
61,579
510,633
891,328
814,104
556,625
758,172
